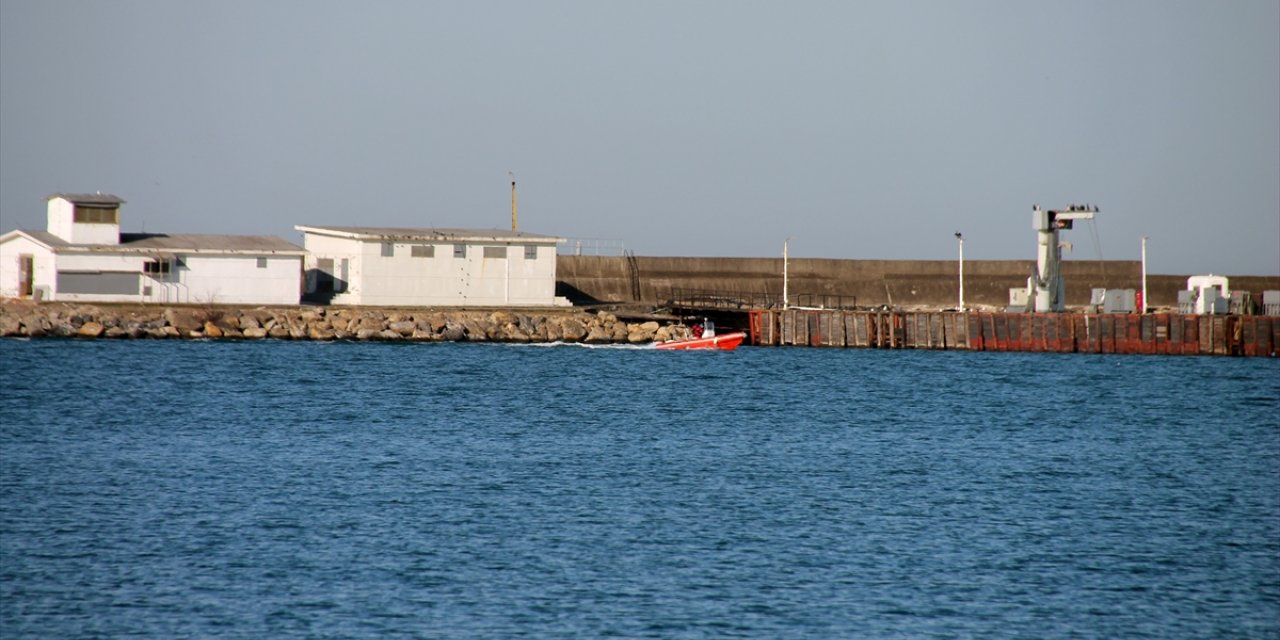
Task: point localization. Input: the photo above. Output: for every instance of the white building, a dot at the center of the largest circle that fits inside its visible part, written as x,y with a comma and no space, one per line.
82,256
429,267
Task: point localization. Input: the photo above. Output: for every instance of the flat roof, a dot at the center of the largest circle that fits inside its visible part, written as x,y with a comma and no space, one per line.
88,198
416,233
174,243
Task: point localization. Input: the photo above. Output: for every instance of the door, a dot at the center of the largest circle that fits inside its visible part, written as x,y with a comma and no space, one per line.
26,275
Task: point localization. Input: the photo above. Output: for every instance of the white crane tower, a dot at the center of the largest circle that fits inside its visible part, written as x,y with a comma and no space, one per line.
1045,288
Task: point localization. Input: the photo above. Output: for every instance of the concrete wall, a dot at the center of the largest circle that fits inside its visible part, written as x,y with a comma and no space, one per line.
904,283
402,279
43,265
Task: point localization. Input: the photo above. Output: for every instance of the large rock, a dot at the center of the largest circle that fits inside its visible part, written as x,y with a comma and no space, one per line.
453,332
403,327
572,330
10,325
255,332
212,330
90,330
184,320
319,333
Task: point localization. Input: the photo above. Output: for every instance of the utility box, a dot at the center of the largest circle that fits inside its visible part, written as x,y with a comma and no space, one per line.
1113,300
1211,302
1271,302
1186,302
1017,300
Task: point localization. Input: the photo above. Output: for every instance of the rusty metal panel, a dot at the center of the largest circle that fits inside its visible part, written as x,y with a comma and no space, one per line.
973,330
1206,334
858,323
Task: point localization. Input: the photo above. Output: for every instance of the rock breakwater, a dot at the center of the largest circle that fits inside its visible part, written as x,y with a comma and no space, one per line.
20,318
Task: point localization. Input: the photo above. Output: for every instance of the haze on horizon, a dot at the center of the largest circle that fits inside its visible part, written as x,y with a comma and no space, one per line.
863,130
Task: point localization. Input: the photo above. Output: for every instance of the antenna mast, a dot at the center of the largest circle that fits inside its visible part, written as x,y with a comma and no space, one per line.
513,200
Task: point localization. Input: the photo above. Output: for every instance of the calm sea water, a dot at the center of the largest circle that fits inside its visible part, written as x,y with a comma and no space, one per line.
278,489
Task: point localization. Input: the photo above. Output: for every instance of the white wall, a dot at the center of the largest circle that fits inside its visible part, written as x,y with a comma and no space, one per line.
440,280
43,265
211,279
224,279
62,223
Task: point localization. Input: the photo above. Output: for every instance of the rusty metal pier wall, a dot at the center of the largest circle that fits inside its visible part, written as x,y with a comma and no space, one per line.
1157,333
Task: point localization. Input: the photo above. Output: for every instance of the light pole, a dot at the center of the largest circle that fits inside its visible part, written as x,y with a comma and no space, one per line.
1144,275
960,239
513,200
784,272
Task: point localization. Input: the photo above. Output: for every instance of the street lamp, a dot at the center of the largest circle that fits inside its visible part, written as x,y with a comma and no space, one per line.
960,239
1144,276
784,272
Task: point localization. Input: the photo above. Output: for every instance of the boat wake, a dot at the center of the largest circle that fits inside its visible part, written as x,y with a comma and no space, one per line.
580,345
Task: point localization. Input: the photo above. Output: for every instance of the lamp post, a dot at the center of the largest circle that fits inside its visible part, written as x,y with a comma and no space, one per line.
960,239
785,243
1144,275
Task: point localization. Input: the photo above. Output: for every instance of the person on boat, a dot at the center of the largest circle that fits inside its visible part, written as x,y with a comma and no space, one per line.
697,331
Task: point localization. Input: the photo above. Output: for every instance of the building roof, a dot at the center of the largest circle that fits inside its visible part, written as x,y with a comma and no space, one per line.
410,233
173,243
197,242
88,198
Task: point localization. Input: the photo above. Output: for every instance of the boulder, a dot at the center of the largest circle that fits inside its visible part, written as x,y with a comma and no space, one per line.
370,323
319,333
116,332
403,327
212,330
453,332
572,330
90,330
184,319
10,325
255,332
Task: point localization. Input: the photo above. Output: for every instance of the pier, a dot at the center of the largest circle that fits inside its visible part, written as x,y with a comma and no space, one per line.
1153,333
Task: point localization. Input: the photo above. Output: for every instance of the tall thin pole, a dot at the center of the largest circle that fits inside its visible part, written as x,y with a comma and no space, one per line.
1144,275
960,238
513,200
784,272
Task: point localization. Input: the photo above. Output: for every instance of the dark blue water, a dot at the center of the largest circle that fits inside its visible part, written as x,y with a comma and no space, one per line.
276,489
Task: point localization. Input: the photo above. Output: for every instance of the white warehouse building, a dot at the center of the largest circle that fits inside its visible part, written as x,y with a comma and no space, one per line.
380,266
82,256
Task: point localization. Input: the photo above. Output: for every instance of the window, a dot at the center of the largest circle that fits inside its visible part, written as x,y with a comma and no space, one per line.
495,252
156,267
459,250
262,263
388,249
422,251
531,252
96,215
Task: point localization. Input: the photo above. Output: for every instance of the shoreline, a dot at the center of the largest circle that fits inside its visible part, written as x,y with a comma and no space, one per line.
23,318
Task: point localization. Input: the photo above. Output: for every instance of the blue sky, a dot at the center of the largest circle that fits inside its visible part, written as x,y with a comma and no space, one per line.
857,129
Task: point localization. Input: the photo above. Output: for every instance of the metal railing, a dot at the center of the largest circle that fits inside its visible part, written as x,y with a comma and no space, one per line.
590,247
724,299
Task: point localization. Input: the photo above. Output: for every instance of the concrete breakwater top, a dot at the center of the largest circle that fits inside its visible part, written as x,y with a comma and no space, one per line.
28,319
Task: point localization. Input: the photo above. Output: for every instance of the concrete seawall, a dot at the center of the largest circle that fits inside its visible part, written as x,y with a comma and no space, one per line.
19,318
909,284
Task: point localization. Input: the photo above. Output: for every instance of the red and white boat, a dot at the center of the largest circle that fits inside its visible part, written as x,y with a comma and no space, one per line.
705,337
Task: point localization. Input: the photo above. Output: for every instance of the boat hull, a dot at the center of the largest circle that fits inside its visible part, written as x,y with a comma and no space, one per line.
725,342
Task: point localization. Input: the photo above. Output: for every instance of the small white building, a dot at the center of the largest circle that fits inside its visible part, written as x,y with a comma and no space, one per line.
380,266
82,256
